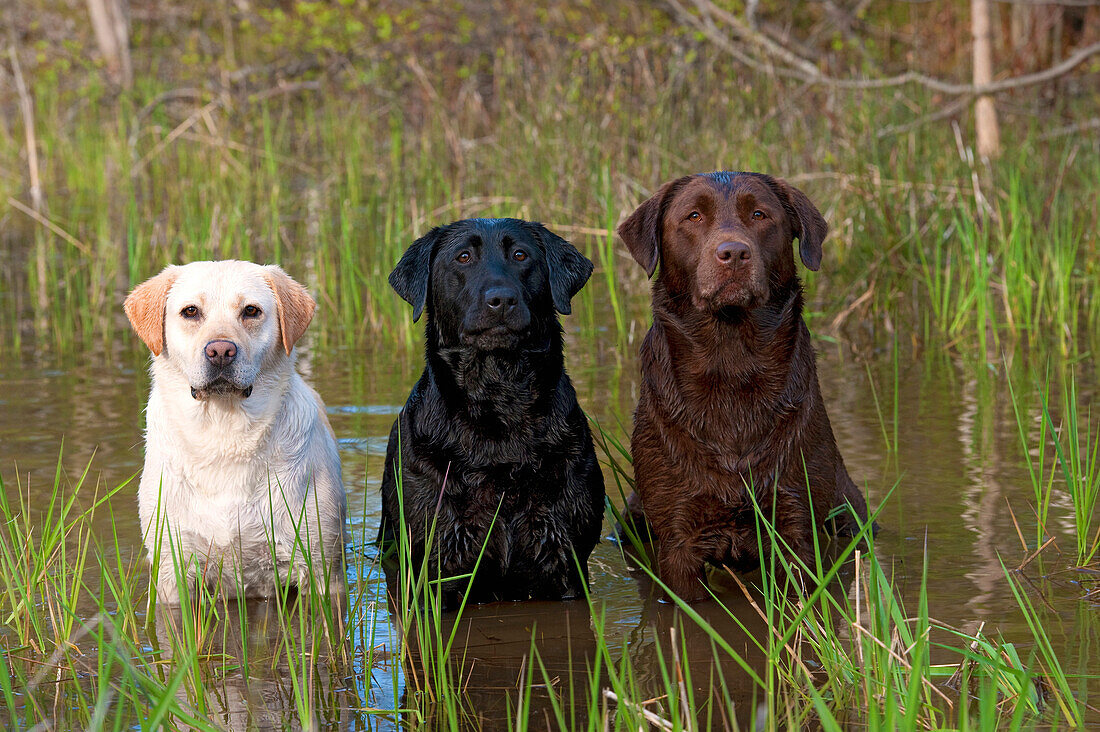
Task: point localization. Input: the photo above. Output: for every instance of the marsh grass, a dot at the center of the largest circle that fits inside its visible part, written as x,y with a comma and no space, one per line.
1078,450
842,648
849,653
887,414
828,645
336,181
1061,448
67,641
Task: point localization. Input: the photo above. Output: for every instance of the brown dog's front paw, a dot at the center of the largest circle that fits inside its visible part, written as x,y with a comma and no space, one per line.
691,594
684,577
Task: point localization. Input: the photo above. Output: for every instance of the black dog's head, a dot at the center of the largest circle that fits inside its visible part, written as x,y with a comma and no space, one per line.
490,284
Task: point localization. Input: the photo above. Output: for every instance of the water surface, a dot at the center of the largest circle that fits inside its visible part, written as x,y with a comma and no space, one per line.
949,469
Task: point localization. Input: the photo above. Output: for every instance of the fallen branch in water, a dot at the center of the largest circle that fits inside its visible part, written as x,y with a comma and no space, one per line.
648,715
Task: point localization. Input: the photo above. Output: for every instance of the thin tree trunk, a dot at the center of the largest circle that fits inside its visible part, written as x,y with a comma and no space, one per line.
985,114
112,32
26,107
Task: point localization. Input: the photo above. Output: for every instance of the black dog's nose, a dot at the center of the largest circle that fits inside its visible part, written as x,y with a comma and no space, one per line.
733,252
221,353
500,298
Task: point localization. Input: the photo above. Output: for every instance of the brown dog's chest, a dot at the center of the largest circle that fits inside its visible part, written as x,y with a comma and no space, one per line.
718,419
723,456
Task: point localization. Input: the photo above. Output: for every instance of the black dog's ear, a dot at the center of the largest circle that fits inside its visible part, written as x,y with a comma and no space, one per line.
410,277
569,269
642,229
807,223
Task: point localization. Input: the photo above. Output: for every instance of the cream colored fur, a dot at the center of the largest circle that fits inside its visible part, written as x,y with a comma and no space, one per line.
242,477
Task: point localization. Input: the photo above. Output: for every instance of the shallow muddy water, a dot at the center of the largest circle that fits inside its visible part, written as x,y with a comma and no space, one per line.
949,469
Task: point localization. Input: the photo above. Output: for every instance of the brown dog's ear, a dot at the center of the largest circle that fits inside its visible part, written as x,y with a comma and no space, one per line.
294,304
410,277
642,229
145,308
568,268
807,223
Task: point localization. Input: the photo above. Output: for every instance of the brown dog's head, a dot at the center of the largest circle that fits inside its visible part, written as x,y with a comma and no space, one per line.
724,239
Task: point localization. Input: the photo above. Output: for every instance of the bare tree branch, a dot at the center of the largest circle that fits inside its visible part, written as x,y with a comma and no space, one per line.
756,38
1089,124
783,62
1064,3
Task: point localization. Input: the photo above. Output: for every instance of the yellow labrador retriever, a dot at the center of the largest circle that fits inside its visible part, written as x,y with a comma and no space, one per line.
241,487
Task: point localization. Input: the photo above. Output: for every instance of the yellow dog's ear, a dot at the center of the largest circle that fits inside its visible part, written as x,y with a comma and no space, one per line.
294,303
145,308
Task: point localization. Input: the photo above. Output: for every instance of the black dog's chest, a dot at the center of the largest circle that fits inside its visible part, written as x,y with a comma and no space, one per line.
492,454
507,508
513,487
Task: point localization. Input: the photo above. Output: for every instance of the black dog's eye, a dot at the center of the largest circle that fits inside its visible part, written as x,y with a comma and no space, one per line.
694,216
190,312
251,311
519,255
463,257
758,215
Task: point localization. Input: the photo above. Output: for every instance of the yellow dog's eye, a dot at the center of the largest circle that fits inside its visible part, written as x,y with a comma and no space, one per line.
251,311
190,312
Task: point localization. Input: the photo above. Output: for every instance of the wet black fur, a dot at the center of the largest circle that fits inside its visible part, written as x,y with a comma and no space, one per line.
492,436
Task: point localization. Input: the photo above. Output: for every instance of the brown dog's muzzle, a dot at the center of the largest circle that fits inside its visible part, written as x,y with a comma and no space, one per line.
730,276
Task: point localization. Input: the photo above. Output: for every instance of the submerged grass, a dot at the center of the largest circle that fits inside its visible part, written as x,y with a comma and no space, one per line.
1078,451
1061,449
828,646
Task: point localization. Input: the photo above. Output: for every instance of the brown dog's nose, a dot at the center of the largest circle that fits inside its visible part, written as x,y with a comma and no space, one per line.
733,252
500,298
221,353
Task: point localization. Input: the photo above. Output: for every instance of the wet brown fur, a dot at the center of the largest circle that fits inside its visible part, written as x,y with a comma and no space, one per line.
730,400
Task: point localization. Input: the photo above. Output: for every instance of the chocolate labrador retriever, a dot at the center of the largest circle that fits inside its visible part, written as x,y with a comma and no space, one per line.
730,402
492,448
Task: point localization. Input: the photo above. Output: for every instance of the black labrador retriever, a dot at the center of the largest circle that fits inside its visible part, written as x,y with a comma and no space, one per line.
496,462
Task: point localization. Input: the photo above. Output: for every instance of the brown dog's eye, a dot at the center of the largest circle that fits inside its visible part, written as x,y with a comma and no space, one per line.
251,311
694,216
758,215
190,312
463,257
519,255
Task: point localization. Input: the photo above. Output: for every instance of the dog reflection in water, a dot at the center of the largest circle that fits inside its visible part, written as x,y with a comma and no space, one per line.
249,656
486,672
